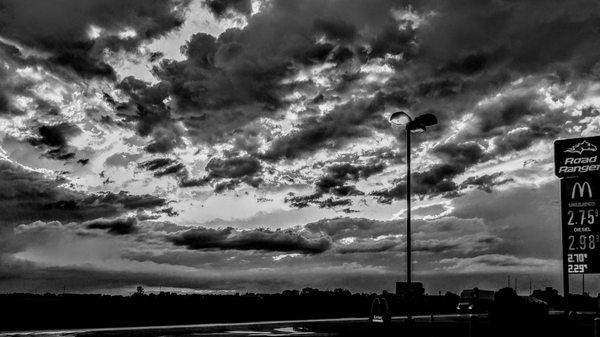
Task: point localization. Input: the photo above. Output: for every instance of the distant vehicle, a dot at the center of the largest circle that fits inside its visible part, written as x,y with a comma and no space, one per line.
380,311
475,301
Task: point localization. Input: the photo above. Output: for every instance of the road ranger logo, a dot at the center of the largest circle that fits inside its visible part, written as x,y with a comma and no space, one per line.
581,188
582,147
579,165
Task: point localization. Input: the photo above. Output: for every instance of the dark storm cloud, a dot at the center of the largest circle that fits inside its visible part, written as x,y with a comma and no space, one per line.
330,203
473,49
369,247
114,226
469,65
394,41
385,196
221,7
335,29
443,235
521,36
234,170
438,178
543,127
224,83
54,138
439,88
335,182
236,167
302,201
486,182
12,85
153,117
124,199
338,228
174,169
338,174
163,167
227,82
155,164
257,239
61,28
494,119
28,196
512,122
331,131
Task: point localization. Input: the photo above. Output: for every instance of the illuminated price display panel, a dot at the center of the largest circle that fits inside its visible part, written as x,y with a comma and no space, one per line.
581,224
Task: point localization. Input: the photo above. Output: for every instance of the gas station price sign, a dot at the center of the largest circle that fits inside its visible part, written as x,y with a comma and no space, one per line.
581,224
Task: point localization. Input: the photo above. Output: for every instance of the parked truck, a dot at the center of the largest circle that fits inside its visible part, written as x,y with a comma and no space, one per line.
475,301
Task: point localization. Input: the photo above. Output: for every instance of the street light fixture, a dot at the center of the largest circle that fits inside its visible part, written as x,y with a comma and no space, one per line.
416,125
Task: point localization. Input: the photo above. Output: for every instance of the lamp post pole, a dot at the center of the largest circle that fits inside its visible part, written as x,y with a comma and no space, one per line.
410,125
408,238
408,241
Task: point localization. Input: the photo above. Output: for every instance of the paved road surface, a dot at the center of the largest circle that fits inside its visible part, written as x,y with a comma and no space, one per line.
447,325
280,328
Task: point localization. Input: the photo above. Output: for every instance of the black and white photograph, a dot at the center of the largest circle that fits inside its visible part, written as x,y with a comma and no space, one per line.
424,168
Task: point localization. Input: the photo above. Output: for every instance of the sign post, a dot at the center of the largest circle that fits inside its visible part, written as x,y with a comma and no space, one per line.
577,165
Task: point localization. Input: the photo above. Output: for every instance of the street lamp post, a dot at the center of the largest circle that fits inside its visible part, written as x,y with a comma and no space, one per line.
416,125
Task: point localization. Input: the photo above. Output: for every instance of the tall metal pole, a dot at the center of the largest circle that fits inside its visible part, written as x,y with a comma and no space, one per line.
408,239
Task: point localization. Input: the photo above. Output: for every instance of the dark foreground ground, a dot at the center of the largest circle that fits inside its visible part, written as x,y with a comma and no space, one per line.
556,324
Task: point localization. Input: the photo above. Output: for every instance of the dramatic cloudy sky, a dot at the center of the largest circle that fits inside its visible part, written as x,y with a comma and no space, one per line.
243,145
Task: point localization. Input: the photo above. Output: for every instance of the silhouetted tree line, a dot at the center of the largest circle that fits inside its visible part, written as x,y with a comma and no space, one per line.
47,311
36,311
